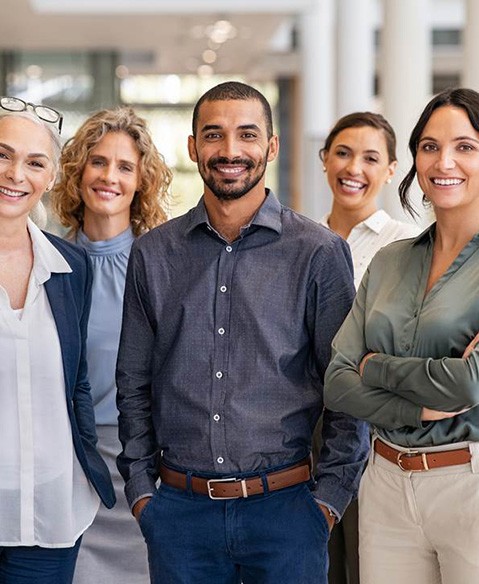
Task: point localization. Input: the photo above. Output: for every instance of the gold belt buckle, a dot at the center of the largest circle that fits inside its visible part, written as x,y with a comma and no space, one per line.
412,453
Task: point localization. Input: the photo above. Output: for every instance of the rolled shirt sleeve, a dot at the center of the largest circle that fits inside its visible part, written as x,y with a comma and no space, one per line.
345,439
138,462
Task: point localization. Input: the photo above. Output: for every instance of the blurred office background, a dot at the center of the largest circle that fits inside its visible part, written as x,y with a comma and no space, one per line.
315,60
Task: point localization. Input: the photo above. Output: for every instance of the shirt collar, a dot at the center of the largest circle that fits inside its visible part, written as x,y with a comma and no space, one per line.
377,221
268,215
374,222
429,233
426,235
324,220
47,259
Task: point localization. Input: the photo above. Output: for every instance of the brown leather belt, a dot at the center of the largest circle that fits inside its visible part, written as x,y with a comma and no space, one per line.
232,488
419,461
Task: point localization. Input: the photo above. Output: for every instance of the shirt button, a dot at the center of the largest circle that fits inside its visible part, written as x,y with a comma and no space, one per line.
219,375
229,249
220,460
216,417
223,289
221,331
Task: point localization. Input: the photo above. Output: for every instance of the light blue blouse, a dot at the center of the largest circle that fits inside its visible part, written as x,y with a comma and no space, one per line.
110,259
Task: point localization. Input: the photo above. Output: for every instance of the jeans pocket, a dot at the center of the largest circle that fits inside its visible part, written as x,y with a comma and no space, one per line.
316,509
145,512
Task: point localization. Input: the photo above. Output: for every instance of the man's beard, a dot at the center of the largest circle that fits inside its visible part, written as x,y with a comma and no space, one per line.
225,190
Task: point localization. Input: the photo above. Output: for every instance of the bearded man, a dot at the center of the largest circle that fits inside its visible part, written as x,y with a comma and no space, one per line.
229,315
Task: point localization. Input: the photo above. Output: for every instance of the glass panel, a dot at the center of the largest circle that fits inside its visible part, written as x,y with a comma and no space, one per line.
170,128
447,37
51,77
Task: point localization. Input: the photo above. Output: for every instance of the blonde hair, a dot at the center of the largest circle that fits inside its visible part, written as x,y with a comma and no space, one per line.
148,206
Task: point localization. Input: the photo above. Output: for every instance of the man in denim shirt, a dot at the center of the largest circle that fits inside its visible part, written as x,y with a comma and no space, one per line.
229,315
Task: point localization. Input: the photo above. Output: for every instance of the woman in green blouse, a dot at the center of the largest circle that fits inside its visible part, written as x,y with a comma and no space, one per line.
406,361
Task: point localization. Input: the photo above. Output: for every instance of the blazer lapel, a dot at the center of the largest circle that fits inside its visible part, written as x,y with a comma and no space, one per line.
58,294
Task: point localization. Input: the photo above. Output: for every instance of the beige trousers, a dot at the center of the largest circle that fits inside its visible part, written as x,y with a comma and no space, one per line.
419,527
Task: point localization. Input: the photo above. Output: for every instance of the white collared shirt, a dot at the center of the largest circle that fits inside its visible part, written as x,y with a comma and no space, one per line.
369,236
45,497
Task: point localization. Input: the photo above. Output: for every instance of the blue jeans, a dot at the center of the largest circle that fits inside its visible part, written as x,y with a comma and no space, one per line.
37,565
277,538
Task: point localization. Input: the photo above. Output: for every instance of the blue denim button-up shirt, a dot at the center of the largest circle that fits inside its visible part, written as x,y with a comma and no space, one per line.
224,348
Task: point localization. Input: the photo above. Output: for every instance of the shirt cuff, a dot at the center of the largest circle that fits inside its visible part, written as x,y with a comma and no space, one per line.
376,374
375,371
333,495
332,511
139,487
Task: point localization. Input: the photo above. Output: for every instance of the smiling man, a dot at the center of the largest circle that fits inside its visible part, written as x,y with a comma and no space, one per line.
229,315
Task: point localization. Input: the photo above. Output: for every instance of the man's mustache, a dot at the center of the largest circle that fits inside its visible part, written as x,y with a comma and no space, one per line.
233,161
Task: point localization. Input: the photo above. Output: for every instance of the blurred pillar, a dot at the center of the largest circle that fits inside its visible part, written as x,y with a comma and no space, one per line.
317,43
106,86
470,72
405,82
286,191
355,56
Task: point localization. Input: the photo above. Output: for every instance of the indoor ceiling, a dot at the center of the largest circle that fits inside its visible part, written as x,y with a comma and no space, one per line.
151,37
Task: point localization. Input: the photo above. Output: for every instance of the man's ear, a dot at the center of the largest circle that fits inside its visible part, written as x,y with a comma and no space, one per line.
192,149
273,148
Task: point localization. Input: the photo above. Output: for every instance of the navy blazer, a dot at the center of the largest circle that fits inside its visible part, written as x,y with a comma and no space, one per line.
69,295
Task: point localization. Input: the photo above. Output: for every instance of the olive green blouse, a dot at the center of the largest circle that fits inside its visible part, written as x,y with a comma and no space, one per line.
419,338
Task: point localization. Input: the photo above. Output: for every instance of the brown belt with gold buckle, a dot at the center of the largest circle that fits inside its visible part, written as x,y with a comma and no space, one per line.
233,488
418,461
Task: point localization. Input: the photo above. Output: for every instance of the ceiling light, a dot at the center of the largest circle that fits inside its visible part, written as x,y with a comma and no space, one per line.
205,70
122,72
221,31
34,71
209,56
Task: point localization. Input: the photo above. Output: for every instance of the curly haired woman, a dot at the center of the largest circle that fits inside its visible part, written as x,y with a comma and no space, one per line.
114,187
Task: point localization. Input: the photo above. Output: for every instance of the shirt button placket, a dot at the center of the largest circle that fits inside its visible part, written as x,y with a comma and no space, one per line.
222,312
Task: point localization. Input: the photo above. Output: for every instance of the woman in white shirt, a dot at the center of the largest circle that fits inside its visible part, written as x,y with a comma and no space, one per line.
359,157
51,476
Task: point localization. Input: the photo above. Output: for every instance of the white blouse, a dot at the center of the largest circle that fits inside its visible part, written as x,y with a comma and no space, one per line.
369,236
45,497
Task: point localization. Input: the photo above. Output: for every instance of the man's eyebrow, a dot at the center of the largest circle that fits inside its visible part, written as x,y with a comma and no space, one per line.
250,127
209,127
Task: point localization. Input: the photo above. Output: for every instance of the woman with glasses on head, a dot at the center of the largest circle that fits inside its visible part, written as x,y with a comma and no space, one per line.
406,360
113,188
51,476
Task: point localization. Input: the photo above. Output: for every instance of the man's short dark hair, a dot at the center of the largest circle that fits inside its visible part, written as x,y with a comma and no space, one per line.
234,90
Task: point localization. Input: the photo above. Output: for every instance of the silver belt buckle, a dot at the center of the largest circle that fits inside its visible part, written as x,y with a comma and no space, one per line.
210,484
413,453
